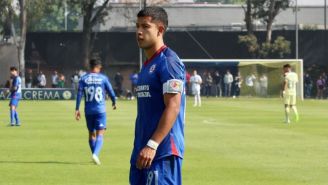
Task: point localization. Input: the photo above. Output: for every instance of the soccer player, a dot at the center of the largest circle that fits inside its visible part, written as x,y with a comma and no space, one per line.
15,96
159,131
94,86
196,81
289,92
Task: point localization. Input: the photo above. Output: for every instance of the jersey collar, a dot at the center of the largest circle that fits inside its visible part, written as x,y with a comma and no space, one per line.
155,54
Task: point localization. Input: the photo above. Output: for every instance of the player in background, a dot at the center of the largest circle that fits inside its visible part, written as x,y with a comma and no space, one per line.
289,92
196,81
94,86
15,96
159,131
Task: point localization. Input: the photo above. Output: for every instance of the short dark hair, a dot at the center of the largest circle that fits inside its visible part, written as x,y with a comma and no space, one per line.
287,66
94,62
156,13
13,68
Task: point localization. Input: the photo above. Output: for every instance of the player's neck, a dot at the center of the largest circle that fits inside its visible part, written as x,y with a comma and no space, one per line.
151,51
94,71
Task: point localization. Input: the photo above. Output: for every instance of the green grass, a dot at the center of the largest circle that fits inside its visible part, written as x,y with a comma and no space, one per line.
228,142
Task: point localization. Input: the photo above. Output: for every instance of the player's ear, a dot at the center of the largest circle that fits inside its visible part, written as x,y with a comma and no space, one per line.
161,30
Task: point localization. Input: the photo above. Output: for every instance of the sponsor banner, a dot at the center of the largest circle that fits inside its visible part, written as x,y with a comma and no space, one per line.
41,94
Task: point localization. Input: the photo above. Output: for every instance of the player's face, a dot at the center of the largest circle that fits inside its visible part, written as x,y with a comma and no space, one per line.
148,32
286,69
13,73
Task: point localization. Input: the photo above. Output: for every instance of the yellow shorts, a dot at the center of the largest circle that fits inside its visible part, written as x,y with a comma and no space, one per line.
290,99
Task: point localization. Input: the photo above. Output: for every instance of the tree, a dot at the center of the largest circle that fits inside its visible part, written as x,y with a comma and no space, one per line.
248,17
22,39
45,15
266,11
92,14
6,17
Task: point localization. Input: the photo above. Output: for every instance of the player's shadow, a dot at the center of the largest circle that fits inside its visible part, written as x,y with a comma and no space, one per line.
46,162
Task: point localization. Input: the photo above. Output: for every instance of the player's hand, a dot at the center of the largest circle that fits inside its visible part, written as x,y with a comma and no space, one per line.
145,158
77,115
282,94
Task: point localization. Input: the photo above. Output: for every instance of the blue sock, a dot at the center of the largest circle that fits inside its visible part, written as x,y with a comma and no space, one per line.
16,118
92,143
98,146
12,116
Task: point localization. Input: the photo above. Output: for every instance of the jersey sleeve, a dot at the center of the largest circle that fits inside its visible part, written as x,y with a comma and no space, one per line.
172,75
110,91
79,95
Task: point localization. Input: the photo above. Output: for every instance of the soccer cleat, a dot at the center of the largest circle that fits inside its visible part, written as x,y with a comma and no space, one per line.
12,124
287,121
18,124
96,159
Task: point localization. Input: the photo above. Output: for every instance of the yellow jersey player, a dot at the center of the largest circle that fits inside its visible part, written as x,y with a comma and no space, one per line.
289,92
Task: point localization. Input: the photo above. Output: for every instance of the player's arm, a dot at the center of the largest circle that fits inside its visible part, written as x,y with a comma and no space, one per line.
111,93
283,88
78,101
14,86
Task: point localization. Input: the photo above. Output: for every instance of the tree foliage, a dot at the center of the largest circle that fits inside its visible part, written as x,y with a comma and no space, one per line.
280,48
265,11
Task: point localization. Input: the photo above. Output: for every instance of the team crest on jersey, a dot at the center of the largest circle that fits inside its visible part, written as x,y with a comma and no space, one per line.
152,68
175,85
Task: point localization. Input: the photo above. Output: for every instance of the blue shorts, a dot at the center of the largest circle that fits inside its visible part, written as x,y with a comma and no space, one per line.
164,171
96,122
14,102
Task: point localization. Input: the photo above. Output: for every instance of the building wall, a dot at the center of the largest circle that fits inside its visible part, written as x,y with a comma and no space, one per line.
122,16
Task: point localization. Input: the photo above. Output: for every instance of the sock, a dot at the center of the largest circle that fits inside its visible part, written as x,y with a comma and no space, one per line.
12,116
98,145
295,111
16,117
195,100
92,143
287,110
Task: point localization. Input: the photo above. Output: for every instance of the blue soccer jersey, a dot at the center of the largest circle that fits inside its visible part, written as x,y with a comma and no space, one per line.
16,88
163,73
94,86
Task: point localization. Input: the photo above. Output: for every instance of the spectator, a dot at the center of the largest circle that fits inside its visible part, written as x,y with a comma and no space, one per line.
134,81
7,85
325,79
250,84
118,83
320,87
308,85
129,95
196,81
29,78
82,73
188,76
54,80
218,84
61,81
42,81
263,85
237,85
208,84
75,80
228,79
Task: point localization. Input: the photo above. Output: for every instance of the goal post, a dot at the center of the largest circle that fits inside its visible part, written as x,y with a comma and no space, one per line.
271,68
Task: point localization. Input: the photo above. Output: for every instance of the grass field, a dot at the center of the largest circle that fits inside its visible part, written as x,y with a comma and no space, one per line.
228,142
